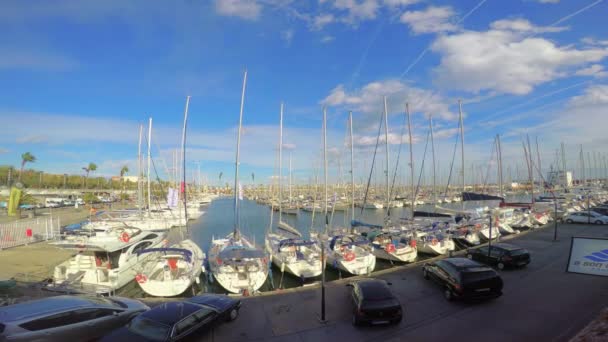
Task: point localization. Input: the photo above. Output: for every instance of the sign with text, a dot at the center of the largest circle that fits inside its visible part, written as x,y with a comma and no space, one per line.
588,256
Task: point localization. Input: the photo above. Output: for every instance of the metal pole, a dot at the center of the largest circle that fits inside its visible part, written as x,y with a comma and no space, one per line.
555,217
490,239
388,195
326,218
281,164
433,152
184,162
409,133
149,162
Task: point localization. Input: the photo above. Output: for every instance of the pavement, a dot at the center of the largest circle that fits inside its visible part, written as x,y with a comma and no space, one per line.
540,303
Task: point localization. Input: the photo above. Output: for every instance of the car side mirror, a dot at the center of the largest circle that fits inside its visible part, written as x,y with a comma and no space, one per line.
389,283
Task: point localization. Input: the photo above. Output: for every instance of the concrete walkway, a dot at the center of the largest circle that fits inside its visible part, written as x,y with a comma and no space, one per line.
541,302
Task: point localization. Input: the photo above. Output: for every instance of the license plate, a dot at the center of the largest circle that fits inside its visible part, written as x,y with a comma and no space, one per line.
380,322
482,290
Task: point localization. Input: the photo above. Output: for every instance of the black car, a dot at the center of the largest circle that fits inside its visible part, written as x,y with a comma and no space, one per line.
500,255
178,320
464,278
601,210
374,303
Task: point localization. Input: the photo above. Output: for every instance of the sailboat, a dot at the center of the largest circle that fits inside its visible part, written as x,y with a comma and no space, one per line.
288,249
236,263
347,251
170,271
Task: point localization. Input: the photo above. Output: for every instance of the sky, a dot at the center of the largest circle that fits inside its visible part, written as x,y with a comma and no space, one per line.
78,78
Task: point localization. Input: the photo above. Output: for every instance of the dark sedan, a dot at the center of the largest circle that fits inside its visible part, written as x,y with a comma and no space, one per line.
374,303
500,255
175,321
464,278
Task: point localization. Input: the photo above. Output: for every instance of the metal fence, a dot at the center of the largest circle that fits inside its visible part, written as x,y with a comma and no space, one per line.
29,231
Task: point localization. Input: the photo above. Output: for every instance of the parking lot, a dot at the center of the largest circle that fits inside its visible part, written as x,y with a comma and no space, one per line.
540,302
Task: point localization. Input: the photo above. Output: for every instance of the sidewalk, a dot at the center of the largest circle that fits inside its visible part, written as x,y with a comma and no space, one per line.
540,302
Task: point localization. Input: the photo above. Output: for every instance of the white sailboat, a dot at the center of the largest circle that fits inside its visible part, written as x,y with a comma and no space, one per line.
170,271
288,250
235,263
348,251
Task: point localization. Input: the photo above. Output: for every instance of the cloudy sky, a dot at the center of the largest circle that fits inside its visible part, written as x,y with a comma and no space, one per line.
77,78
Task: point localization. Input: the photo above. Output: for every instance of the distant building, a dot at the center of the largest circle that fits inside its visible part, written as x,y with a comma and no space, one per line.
561,178
124,178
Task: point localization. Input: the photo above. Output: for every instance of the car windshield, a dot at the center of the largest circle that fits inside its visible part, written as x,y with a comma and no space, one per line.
518,252
377,293
471,277
149,329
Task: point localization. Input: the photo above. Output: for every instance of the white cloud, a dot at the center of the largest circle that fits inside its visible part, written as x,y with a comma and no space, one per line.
246,9
287,36
432,19
35,58
319,22
3,150
505,60
356,10
397,3
369,99
327,39
593,96
595,70
594,42
523,25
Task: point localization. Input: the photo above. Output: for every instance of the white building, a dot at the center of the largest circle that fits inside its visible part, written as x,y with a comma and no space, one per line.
561,178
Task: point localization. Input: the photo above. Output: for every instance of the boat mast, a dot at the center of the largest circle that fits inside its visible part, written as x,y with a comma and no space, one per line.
433,152
184,162
500,185
149,160
388,195
237,219
139,172
281,165
409,133
325,164
289,178
352,172
461,146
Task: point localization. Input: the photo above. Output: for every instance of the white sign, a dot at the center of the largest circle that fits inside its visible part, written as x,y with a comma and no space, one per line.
588,256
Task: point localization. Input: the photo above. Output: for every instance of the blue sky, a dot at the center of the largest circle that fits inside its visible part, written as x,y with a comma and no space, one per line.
77,78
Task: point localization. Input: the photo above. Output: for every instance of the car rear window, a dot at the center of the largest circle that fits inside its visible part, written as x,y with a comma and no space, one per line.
376,292
149,329
518,252
471,277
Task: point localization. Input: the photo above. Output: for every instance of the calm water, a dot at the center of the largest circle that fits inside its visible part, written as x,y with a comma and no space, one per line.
218,221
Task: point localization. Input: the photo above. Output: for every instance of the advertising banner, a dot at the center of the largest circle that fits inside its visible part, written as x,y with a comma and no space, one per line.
588,256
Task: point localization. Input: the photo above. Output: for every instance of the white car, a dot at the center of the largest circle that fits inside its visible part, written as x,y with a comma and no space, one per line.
586,217
66,318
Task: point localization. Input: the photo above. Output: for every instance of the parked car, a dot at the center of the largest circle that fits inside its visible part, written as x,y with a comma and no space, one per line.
66,318
600,210
174,321
585,217
374,303
464,278
500,255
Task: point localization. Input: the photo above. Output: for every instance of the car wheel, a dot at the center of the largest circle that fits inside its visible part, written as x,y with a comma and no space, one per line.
569,221
501,266
470,256
234,313
448,295
599,222
425,274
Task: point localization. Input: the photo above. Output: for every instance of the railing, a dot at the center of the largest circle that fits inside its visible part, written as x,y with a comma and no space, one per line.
29,231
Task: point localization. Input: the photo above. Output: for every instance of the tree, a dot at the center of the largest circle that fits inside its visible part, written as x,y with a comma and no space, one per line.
91,168
124,170
26,158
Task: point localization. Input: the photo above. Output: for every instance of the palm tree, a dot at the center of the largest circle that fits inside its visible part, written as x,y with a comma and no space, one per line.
26,158
91,168
123,172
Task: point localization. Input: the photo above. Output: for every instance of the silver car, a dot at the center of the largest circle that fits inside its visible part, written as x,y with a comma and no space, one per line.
66,318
